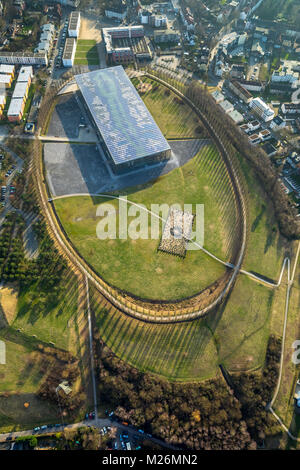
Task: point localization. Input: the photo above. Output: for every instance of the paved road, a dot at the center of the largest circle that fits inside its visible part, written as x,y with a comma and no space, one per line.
86,139
29,238
31,244
296,96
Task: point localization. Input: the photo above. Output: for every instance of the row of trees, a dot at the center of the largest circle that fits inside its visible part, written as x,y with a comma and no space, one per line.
195,416
21,147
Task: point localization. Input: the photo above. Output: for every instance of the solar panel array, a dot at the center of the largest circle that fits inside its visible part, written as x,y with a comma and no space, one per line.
127,127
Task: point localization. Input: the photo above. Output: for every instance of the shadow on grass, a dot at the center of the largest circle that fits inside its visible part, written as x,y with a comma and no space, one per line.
52,308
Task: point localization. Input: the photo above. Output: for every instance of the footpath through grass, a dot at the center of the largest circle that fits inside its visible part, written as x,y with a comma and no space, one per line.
35,317
48,317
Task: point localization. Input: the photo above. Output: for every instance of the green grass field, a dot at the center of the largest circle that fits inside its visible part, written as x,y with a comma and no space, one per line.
29,100
86,53
126,263
236,335
284,404
174,118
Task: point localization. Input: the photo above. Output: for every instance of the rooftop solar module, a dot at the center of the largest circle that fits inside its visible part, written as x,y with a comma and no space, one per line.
126,125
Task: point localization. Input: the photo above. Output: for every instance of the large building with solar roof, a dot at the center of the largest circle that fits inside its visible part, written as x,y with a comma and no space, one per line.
128,133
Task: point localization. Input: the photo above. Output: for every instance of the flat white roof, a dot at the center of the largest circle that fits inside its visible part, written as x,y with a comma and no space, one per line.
2,99
15,107
108,34
48,27
46,36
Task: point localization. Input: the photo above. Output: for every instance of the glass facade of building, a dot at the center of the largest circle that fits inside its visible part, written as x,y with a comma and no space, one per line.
127,128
